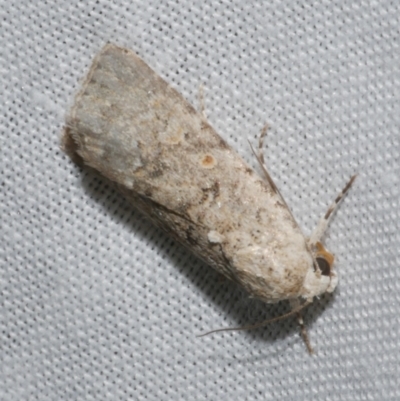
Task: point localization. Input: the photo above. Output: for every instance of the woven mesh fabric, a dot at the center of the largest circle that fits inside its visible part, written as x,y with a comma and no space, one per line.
97,304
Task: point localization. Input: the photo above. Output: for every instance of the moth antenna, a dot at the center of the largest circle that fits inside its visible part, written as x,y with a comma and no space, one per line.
322,225
260,324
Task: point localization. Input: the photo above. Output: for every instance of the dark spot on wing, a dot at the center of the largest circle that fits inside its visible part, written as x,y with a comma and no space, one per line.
223,144
190,109
213,191
190,238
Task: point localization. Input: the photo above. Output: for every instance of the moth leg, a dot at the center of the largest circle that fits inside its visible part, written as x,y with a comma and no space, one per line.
294,304
322,225
260,152
260,158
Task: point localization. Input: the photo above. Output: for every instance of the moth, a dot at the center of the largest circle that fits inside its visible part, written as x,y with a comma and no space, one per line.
167,160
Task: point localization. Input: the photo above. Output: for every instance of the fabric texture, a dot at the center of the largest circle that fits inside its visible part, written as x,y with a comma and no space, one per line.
98,304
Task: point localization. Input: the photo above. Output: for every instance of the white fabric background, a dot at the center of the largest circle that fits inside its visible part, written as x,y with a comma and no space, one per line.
97,304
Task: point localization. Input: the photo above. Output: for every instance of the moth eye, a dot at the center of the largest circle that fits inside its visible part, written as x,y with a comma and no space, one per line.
324,259
324,266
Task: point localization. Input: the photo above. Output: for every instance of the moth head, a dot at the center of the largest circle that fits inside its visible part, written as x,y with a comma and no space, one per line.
321,277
